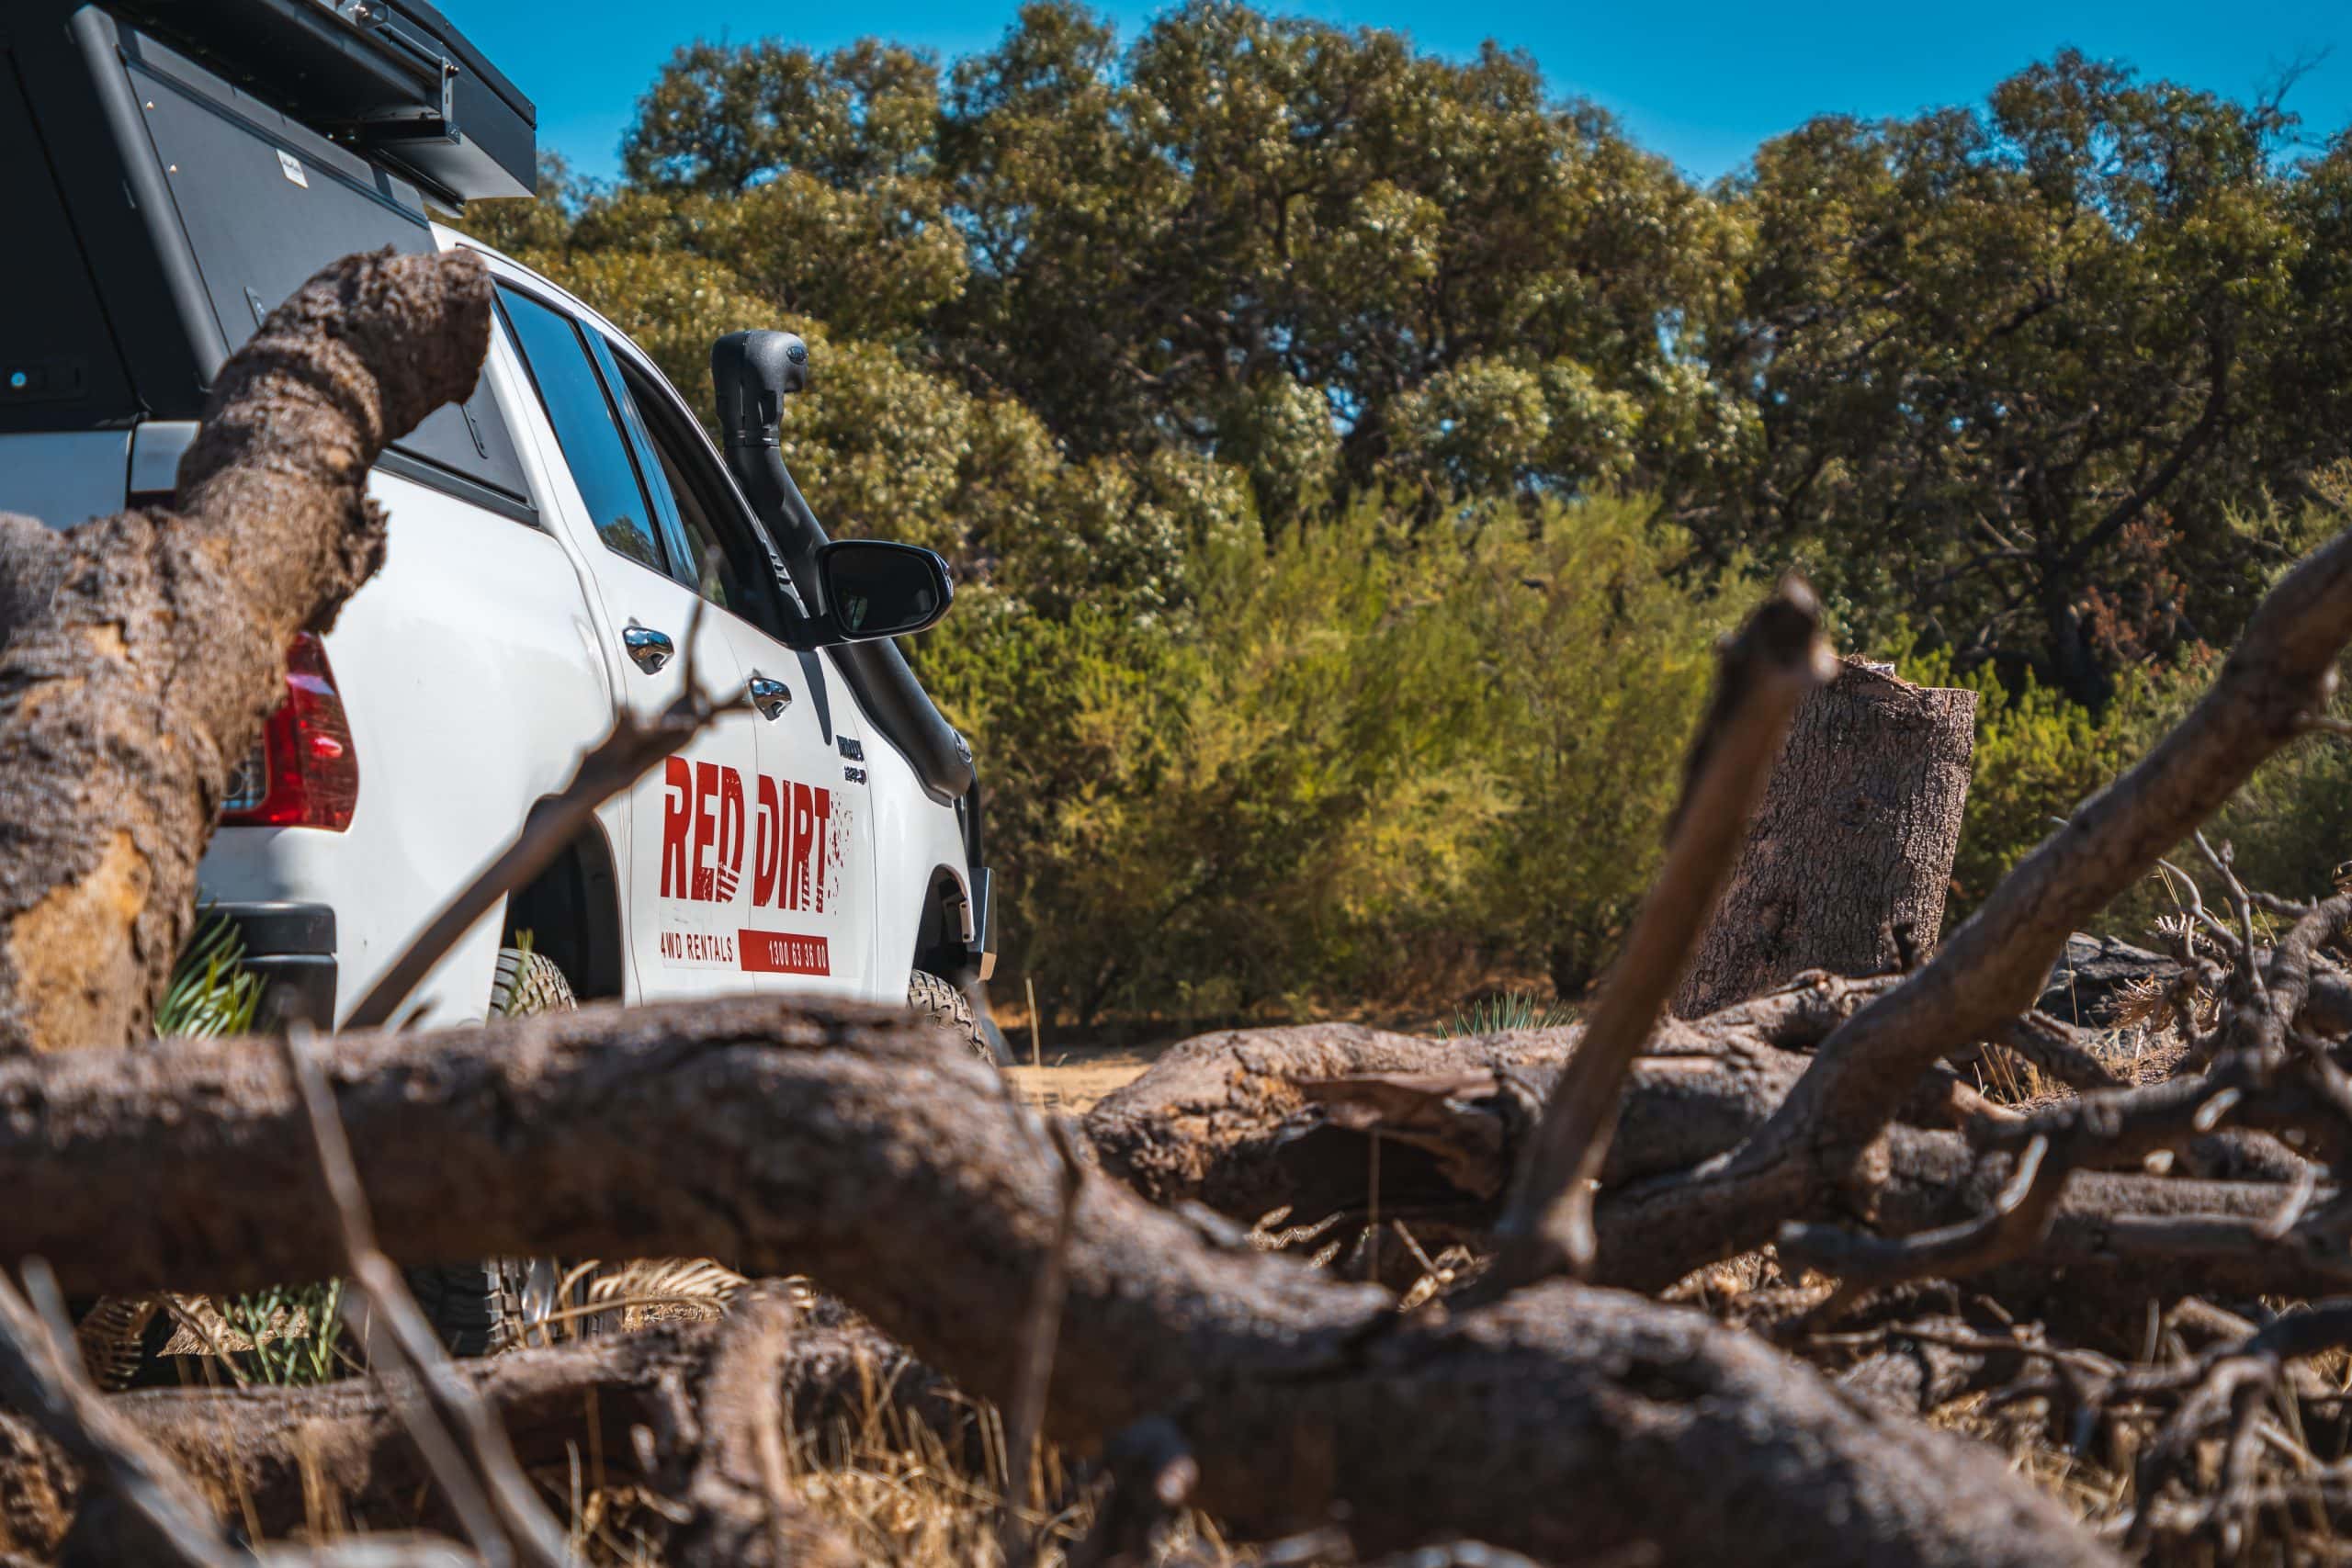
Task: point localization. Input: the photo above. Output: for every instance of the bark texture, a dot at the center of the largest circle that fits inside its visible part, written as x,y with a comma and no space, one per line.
1854,840
1249,1122
140,653
1564,1421
1818,1156
268,1454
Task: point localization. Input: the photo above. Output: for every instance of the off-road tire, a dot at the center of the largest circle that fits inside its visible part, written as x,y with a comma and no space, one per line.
944,1003
527,984
477,1308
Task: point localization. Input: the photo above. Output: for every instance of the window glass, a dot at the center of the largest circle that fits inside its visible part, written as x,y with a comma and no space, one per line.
689,507
582,417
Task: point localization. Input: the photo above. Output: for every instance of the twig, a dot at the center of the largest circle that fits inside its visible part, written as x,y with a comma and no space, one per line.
466,1448
1040,1332
1778,656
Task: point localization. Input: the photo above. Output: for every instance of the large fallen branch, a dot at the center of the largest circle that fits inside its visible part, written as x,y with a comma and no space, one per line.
1248,1122
858,1147
140,653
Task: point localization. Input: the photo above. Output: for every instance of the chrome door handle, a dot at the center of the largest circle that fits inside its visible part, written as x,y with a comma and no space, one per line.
771,697
649,648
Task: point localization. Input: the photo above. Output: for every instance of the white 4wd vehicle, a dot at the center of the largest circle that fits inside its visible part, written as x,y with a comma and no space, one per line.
172,171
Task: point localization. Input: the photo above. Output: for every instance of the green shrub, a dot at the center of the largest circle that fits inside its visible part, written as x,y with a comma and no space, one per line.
1350,763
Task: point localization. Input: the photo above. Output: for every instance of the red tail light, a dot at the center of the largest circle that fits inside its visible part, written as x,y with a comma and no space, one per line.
305,773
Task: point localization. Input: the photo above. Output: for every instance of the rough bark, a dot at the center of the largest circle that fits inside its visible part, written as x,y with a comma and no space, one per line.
1853,843
266,1454
1564,1421
728,1434
140,653
1249,1122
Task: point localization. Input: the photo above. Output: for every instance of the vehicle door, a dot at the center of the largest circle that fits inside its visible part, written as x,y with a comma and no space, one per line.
687,887
812,923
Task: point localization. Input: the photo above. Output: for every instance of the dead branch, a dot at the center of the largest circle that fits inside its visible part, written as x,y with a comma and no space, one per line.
2257,1072
1255,1121
140,653
468,1451
853,1144
741,1513
1815,1157
1778,656
1040,1328
255,1453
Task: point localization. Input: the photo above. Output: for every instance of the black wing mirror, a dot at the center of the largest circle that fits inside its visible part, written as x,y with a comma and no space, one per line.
876,589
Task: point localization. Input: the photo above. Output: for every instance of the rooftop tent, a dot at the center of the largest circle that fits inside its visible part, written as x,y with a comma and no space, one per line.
389,78
164,209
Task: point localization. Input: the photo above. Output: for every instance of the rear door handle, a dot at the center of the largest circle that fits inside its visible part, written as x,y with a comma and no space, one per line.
649,648
771,697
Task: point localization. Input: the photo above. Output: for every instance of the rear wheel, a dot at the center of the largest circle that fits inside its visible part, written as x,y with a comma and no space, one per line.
944,1003
479,1308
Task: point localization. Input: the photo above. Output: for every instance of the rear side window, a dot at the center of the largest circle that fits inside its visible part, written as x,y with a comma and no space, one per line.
584,421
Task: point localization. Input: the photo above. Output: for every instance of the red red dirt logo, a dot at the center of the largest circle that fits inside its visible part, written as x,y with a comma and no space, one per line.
797,862
798,841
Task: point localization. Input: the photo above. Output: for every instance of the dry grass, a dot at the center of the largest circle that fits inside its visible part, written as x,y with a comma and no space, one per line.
903,1494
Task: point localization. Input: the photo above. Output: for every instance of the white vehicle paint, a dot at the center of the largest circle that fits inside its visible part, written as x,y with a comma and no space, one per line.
788,849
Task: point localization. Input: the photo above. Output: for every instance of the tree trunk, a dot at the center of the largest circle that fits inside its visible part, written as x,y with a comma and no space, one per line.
1853,843
140,653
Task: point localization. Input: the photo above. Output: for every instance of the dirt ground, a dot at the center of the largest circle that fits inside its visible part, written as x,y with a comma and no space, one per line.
1072,1080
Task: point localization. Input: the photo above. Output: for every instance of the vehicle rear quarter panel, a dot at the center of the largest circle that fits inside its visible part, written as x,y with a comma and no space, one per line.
472,684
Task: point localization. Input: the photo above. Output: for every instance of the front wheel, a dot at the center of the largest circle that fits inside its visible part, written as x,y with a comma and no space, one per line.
944,1003
479,1308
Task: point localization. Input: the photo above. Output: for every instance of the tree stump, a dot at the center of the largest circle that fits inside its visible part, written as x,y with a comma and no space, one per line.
1853,843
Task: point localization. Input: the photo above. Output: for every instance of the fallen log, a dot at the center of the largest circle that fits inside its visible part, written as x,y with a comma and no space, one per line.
140,653
1251,1121
1821,1154
265,1455
858,1147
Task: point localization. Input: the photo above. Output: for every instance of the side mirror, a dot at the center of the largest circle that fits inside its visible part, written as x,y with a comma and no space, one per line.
876,589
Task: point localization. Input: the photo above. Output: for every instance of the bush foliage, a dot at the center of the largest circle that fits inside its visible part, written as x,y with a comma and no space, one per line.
1348,452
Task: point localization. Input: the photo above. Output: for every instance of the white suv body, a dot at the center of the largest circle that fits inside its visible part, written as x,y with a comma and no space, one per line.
529,584
485,657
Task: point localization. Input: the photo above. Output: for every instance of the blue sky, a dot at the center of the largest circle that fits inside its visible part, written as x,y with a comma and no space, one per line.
1701,82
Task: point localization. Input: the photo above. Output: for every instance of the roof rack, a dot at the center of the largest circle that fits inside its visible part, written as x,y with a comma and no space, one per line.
392,79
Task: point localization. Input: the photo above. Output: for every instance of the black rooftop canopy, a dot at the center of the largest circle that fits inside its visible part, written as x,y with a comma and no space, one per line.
391,78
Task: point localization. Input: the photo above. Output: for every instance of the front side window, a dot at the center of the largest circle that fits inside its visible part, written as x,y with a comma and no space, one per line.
689,502
586,428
